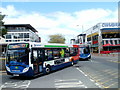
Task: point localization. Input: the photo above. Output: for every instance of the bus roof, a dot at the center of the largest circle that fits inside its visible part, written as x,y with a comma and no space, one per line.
46,45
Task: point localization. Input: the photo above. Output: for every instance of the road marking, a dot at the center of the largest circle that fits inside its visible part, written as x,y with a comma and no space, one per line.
94,61
114,61
111,85
108,80
69,83
90,78
82,72
72,86
111,73
58,80
20,84
103,78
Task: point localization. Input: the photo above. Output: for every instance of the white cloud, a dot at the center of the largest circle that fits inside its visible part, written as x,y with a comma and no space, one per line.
68,24
10,11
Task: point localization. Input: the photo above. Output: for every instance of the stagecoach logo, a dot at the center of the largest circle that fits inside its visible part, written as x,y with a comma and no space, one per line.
16,67
37,45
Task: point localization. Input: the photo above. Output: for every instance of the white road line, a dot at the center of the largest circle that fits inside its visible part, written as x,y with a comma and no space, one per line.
90,78
20,84
71,86
81,72
69,83
58,80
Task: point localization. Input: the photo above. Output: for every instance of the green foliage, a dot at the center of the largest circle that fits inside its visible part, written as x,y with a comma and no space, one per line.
57,38
3,31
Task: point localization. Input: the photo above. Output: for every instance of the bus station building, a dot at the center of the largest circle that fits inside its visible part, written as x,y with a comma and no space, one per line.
103,37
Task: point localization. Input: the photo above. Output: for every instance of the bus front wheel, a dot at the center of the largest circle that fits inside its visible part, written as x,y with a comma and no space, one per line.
48,69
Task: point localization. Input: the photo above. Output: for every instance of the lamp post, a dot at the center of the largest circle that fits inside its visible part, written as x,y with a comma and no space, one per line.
80,37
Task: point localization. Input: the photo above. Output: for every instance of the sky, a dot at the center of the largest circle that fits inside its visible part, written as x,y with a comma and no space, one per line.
66,18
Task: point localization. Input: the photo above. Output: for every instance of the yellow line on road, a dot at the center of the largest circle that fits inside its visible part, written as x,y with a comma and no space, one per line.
101,75
111,85
97,77
108,80
103,78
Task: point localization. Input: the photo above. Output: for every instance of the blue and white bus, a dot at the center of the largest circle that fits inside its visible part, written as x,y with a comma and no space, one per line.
31,59
84,52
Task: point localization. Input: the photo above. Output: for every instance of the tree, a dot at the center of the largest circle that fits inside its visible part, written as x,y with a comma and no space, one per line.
57,38
3,31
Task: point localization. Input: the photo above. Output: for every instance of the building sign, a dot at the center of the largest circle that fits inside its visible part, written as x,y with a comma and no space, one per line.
94,27
110,25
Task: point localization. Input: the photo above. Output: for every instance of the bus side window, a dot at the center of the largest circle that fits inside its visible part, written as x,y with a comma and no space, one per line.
67,52
56,53
48,54
62,53
73,51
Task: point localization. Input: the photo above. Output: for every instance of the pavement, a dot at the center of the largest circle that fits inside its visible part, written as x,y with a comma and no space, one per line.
107,55
2,71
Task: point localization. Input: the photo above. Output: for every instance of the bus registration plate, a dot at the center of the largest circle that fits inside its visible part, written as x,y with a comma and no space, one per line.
15,74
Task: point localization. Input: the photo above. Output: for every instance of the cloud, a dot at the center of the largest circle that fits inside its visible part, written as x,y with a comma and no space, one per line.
10,11
68,24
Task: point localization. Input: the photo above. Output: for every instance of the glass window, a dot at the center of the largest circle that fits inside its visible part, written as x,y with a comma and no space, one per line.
106,41
56,53
48,54
67,52
15,37
73,51
119,41
20,35
111,41
103,42
115,41
89,39
19,55
34,55
26,35
8,36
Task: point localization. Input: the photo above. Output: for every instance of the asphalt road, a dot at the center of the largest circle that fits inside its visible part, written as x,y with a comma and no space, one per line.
98,72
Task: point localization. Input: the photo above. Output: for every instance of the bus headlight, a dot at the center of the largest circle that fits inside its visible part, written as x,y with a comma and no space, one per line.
25,69
8,69
88,55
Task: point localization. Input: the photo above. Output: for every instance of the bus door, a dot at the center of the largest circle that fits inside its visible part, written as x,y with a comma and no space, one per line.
37,60
41,57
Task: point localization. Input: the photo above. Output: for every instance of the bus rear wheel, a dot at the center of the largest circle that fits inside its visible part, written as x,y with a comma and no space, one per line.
73,63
